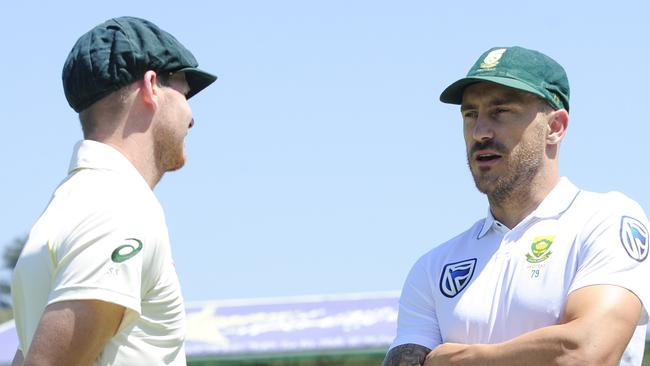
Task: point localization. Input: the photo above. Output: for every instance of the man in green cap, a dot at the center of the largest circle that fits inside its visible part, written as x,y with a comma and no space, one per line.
553,275
96,283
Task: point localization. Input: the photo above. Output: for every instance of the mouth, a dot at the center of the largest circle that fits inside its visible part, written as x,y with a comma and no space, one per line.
486,158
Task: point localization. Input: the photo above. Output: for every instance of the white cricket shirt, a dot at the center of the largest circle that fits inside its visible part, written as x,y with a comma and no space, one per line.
490,284
103,236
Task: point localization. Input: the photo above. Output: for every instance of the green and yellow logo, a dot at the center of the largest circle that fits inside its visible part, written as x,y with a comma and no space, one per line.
556,99
539,250
492,59
126,251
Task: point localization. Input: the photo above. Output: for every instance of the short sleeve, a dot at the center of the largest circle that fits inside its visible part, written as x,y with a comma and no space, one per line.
101,259
417,321
614,250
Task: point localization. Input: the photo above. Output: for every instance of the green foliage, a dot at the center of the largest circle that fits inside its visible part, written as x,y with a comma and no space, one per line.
9,259
12,252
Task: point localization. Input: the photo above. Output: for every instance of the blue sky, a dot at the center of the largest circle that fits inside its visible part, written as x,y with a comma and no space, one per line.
321,161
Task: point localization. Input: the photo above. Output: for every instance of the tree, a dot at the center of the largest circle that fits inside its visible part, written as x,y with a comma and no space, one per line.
9,259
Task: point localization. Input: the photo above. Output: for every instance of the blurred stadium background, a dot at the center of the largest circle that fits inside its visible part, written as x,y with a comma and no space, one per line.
352,330
342,330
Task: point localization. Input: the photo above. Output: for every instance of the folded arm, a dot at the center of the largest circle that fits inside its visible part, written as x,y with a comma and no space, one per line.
73,332
595,328
406,355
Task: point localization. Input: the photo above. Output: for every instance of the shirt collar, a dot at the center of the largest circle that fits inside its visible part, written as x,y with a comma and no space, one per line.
491,223
89,154
558,201
555,203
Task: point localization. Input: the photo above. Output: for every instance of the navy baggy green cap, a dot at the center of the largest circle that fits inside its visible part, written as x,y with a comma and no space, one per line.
519,68
117,53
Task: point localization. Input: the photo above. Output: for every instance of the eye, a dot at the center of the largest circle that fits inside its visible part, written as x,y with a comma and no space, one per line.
499,111
470,114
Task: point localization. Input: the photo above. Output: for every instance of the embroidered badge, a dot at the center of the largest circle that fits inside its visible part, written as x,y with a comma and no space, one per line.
634,237
492,59
539,249
456,276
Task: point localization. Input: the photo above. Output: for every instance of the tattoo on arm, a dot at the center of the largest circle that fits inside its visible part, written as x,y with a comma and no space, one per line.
406,355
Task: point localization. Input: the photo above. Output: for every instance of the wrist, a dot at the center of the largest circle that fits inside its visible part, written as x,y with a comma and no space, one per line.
483,352
459,354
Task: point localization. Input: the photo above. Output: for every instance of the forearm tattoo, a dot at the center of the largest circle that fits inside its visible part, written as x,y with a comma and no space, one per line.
406,355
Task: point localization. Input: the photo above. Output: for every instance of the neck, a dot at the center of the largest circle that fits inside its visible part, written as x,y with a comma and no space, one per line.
511,210
127,126
139,152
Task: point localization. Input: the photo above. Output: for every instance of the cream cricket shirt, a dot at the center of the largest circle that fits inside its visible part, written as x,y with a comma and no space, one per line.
491,284
103,236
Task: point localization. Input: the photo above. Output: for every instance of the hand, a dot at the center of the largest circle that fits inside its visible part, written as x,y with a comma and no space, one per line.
448,354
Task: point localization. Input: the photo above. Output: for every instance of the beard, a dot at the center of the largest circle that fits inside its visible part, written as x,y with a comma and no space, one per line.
523,164
169,150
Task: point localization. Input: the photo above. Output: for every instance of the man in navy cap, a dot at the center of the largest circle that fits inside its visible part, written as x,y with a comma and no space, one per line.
96,283
553,275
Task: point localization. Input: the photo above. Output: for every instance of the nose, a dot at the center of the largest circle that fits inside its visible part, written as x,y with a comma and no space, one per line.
191,123
483,130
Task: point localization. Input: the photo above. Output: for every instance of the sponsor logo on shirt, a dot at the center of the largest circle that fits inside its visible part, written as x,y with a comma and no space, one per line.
634,237
126,251
456,276
539,249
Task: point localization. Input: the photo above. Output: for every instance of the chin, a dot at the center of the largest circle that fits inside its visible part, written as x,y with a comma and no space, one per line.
484,183
179,164
175,163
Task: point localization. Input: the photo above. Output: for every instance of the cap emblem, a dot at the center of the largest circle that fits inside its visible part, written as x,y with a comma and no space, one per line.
492,59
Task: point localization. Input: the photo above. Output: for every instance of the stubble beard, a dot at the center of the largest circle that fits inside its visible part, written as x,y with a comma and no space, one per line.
520,171
169,149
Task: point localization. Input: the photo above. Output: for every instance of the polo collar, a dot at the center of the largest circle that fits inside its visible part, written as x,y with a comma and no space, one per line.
89,154
558,201
491,223
555,203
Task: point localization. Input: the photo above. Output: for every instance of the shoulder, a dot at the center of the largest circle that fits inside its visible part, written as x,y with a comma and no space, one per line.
610,209
604,218
98,206
108,192
612,202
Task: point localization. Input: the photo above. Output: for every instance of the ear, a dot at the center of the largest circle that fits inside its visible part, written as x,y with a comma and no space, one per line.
557,125
150,90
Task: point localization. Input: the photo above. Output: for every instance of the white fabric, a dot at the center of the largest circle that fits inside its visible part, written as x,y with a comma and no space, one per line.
103,204
508,294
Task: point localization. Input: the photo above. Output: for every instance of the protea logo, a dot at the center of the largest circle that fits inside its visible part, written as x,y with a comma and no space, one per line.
456,276
634,237
491,60
126,251
540,249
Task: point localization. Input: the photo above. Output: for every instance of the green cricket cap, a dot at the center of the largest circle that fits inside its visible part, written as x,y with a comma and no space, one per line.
117,53
518,68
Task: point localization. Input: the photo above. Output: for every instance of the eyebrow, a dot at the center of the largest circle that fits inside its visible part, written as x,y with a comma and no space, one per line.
500,100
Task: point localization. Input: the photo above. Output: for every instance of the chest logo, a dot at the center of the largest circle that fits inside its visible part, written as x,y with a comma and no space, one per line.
126,251
456,276
634,237
539,249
